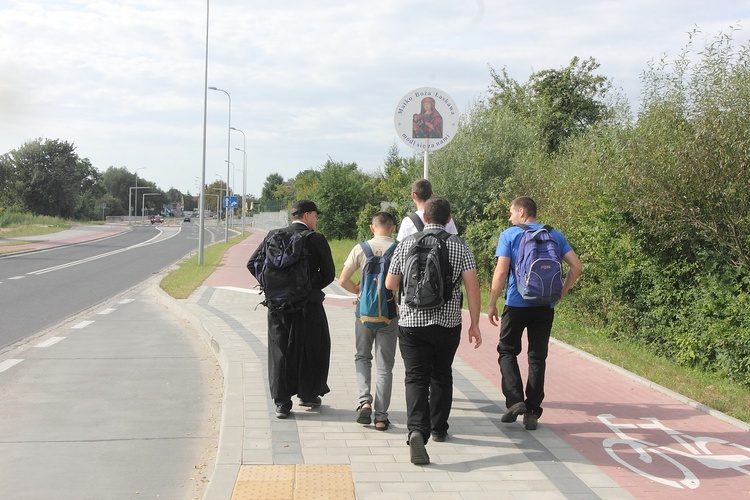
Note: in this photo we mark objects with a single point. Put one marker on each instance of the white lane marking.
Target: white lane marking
(16, 277)
(81, 325)
(106, 254)
(126, 301)
(50, 341)
(107, 310)
(9, 363)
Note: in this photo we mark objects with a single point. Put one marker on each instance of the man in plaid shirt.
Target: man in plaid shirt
(428, 339)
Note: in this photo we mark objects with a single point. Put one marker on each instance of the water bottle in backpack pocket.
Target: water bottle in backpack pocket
(538, 269)
(376, 306)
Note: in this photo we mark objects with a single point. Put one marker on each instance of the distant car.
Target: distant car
(186, 219)
(157, 219)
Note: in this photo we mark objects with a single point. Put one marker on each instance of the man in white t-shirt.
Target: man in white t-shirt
(421, 191)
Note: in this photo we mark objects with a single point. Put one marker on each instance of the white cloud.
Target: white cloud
(123, 79)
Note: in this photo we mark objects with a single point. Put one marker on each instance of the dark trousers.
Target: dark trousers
(537, 321)
(299, 353)
(428, 354)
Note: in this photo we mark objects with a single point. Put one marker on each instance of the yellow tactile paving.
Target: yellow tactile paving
(294, 482)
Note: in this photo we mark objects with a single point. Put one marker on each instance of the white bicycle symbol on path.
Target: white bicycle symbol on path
(694, 448)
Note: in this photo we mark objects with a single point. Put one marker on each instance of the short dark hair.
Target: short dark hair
(383, 219)
(528, 205)
(423, 189)
(437, 211)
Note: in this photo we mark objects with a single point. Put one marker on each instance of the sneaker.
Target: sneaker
(417, 452)
(512, 413)
(439, 437)
(313, 403)
(283, 410)
(365, 413)
(530, 421)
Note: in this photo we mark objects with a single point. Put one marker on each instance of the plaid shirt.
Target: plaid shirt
(449, 315)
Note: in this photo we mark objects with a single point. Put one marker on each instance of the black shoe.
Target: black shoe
(512, 413)
(313, 403)
(439, 437)
(417, 452)
(530, 421)
(283, 410)
(365, 413)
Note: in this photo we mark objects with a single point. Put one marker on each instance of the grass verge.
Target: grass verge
(188, 276)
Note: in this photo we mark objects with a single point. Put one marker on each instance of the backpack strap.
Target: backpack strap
(366, 249)
(417, 220)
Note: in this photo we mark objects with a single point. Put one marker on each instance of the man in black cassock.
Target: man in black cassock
(299, 342)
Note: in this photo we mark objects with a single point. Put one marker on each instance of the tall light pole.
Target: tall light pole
(136, 195)
(234, 190)
(218, 205)
(244, 177)
(229, 149)
(202, 199)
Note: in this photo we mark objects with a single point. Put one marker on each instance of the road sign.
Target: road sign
(231, 202)
(426, 119)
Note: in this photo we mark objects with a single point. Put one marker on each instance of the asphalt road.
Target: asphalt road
(40, 289)
(103, 393)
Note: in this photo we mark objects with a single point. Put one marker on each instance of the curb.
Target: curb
(232, 424)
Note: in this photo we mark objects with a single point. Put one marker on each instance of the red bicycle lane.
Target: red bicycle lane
(650, 441)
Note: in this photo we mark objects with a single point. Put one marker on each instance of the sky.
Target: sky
(123, 80)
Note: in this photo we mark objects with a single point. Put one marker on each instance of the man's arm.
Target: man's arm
(345, 280)
(471, 283)
(393, 281)
(326, 272)
(574, 271)
(499, 278)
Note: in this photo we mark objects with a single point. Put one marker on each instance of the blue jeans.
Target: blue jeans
(384, 340)
(537, 321)
(428, 354)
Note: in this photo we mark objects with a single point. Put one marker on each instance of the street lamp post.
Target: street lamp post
(136, 195)
(229, 149)
(202, 199)
(130, 197)
(244, 177)
(234, 190)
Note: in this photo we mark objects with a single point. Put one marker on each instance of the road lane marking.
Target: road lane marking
(16, 277)
(126, 301)
(9, 363)
(107, 310)
(156, 239)
(81, 325)
(50, 341)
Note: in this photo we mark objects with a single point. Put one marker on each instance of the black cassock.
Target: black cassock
(299, 352)
(299, 343)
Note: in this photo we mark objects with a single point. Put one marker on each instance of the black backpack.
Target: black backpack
(428, 274)
(282, 269)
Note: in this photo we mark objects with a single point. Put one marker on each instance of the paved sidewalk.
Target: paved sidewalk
(72, 236)
(597, 420)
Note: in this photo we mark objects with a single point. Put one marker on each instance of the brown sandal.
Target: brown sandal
(382, 425)
(365, 413)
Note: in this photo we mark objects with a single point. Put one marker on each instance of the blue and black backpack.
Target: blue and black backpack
(376, 306)
(538, 269)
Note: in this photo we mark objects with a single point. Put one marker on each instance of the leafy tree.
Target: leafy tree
(270, 187)
(340, 193)
(561, 103)
(48, 178)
